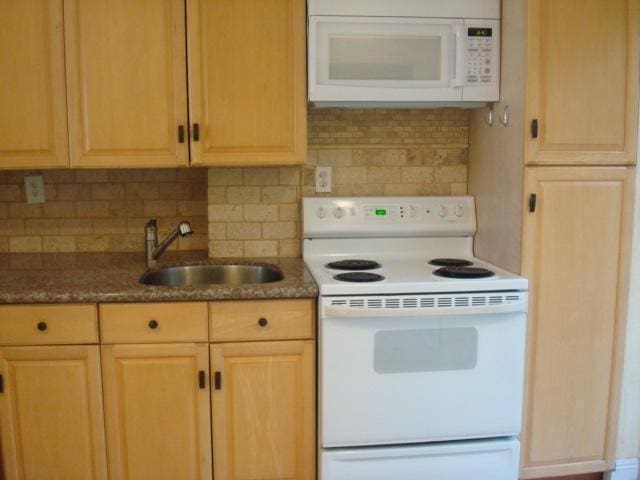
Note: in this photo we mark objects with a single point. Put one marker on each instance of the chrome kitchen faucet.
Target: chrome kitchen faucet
(153, 249)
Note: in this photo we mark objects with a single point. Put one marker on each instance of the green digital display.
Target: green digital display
(480, 32)
(381, 212)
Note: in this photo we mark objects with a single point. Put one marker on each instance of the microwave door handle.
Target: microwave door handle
(458, 56)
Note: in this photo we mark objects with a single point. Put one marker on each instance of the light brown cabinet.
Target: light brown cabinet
(157, 411)
(582, 81)
(263, 410)
(33, 111)
(51, 408)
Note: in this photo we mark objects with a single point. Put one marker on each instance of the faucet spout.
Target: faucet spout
(153, 249)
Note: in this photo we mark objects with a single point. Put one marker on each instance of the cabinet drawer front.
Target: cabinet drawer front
(153, 322)
(261, 319)
(48, 324)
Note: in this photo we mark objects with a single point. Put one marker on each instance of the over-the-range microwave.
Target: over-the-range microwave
(405, 53)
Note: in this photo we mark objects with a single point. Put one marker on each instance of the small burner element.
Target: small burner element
(354, 264)
(359, 277)
(464, 272)
(450, 262)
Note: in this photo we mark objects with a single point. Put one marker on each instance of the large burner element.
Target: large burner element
(359, 277)
(354, 264)
(450, 262)
(463, 272)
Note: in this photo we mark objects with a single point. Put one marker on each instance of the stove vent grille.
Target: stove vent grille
(430, 301)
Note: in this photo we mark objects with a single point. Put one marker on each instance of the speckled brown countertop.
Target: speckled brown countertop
(113, 277)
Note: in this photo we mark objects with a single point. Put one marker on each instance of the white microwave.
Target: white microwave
(404, 52)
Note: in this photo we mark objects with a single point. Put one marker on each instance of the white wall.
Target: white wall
(629, 426)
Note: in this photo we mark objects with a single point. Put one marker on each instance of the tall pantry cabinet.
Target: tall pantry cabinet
(555, 199)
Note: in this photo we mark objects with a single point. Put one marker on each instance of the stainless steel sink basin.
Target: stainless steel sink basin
(212, 275)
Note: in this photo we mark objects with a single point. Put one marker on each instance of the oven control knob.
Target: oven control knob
(338, 212)
(442, 211)
(459, 210)
(321, 212)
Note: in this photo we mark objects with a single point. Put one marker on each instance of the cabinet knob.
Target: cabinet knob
(153, 324)
(263, 322)
(42, 326)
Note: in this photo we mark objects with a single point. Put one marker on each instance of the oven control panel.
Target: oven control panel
(388, 215)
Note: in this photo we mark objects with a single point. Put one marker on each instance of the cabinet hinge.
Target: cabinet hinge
(534, 128)
(533, 199)
(180, 133)
(217, 380)
(202, 379)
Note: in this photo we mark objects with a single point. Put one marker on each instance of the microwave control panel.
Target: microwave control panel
(481, 45)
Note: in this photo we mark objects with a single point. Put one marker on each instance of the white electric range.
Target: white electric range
(421, 345)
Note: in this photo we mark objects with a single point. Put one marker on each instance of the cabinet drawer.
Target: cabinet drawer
(48, 324)
(153, 322)
(261, 319)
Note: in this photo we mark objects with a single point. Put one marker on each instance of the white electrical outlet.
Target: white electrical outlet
(34, 187)
(323, 179)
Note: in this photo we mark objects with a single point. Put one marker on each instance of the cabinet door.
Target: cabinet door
(582, 83)
(33, 110)
(247, 84)
(157, 411)
(575, 254)
(51, 408)
(264, 410)
(126, 75)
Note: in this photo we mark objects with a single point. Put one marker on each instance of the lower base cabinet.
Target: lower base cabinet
(263, 406)
(157, 411)
(51, 413)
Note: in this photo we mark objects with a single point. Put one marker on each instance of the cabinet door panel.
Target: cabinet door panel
(127, 82)
(33, 110)
(247, 87)
(52, 418)
(157, 416)
(576, 246)
(263, 413)
(583, 81)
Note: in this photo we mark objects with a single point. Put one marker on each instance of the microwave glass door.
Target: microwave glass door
(383, 53)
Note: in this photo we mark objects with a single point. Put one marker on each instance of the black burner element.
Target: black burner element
(359, 277)
(354, 264)
(463, 272)
(450, 262)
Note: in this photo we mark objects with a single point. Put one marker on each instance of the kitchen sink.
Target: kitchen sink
(212, 275)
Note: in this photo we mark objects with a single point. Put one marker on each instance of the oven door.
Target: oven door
(412, 375)
(364, 59)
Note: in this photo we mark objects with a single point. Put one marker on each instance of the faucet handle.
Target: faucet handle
(151, 230)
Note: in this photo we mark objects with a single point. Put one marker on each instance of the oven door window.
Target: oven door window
(432, 350)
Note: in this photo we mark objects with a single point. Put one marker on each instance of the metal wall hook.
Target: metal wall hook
(504, 118)
(489, 117)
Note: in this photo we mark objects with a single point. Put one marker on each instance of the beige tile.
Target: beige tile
(280, 194)
(143, 191)
(25, 244)
(334, 158)
(92, 209)
(225, 176)
(73, 191)
(434, 189)
(59, 209)
(92, 243)
(217, 195)
(136, 225)
(75, 226)
(370, 157)
(192, 208)
(11, 228)
(127, 243)
(217, 231)
(261, 213)
(312, 157)
(199, 191)
(260, 248)
(451, 174)
(417, 174)
(242, 195)
(159, 175)
(349, 175)
(261, 176)
(289, 212)
(400, 189)
(58, 244)
(126, 208)
(50, 192)
(224, 248)
(41, 226)
(25, 210)
(225, 213)
(174, 191)
(160, 208)
(109, 226)
(107, 191)
(289, 248)
(458, 189)
(91, 176)
(4, 210)
(244, 231)
(126, 175)
(279, 230)
(290, 176)
(58, 176)
(384, 175)
(192, 175)
(10, 193)
(4, 245)
(193, 242)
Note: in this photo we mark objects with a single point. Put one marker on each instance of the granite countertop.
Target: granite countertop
(113, 277)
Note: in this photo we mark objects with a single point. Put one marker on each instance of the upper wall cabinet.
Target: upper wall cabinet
(582, 81)
(247, 84)
(126, 79)
(33, 113)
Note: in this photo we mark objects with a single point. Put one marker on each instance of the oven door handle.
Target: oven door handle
(350, 312)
